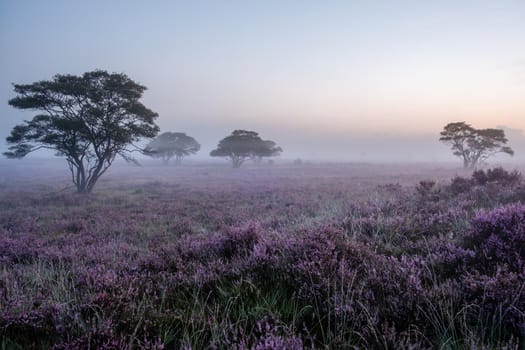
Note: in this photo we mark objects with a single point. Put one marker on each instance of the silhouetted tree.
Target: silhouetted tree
(266, 148)
(472, 145)
(88, 119)
(242, 145)
(172, 144)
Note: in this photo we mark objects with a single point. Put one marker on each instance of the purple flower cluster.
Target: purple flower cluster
(498, 237)
(259, 265)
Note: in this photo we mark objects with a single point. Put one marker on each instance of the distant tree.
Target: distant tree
(472, 145)
(172, 144)
(88, 119)
(266, 148)
(242, 145)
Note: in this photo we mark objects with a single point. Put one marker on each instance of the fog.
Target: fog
(373, 147)
(329, 147)
(335, 81)
(352, 148)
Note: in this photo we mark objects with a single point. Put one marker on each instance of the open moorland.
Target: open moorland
(310, 256)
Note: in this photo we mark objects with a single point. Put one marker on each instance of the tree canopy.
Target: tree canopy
(88, 119)
(242, 145)
(172, 144)
(474, 146)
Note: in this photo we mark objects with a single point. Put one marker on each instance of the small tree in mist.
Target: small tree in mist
(266, 148)
(172, 144)
(474, 145)
(242, 145)
(88, 119)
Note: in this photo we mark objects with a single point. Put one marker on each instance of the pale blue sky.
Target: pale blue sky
(297, 71)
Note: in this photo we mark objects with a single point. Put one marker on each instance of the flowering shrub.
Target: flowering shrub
(238, 262)
(500, 299)
(460, 185)
(497, 175)
(498, 237)
(266, 336)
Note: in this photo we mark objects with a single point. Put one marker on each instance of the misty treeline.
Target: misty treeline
(93, 118)
(239, 146)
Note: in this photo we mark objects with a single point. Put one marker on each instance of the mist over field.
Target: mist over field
(259, 175)
(281, 256)
(373, 148)
(345, 81)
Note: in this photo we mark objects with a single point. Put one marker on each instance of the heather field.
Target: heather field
(310, 256)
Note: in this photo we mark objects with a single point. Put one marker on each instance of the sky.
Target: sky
(351, 80)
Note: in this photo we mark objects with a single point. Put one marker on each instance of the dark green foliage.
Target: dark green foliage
(474, 145)
(88, 119)
(494, 179)
(497, 175)
(172, 144)
(242, 145)
(460, 185)
(426, 188)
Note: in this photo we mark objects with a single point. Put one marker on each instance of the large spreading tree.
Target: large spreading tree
(242, 145)
(474, 146)
(172, 144)
(88, 119)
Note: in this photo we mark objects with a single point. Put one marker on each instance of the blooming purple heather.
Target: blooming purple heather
(265, 258)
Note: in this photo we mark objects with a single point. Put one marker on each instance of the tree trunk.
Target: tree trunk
(83, 187)
(78, 174)
(83, 190)
(236, 162)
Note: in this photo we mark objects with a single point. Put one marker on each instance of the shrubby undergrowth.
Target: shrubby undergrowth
(435, 266)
